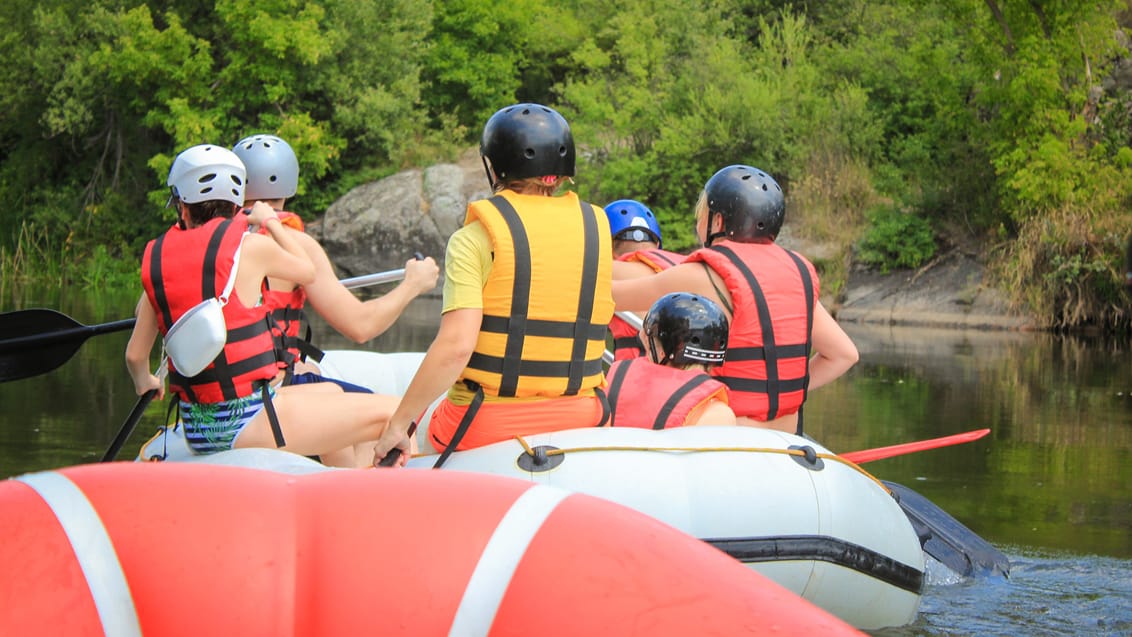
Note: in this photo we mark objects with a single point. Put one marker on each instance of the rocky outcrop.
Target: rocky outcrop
(378, 226)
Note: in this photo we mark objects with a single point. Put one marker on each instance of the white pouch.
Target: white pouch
(198, 337)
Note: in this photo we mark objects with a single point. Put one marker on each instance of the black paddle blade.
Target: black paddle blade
(39, 340)
(946, 539)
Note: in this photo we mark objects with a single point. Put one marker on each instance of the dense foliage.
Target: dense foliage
(1005, 123)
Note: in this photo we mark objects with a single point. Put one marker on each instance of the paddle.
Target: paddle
(39, 340)
(879, 453)
(941, 535)
(133, 418)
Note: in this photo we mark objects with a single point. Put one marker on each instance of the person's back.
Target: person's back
(685, 336)
(526, 299)
(770, 293)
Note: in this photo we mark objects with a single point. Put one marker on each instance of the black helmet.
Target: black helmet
(527, 140)
(750, 202)
(688, 328)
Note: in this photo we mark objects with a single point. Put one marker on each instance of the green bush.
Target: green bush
(895, 239)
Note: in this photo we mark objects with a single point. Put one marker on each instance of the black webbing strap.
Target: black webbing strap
(520, 296)
(272, 417)
(615, 381)
(462, 428)
(808, 287)
(586, 292)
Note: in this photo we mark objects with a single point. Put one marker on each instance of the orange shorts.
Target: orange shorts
(497, 421)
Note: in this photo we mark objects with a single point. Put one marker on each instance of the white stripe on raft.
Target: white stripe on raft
(501, 557)
(93, 550)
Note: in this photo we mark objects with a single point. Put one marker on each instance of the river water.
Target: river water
(1051, 486)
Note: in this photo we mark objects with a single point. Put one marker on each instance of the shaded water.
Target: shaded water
(1051, 485)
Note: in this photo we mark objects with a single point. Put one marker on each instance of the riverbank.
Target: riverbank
(951, 291)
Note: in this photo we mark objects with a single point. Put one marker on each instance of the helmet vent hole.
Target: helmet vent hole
(273, 178)
(204, 179)
(765, 188)
(529, 153)
(562, 151)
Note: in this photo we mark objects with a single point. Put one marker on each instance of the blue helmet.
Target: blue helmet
(631, 220)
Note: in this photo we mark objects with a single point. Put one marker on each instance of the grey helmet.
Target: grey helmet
(527, 140)
(207, 172)
(749, 201)
(273, 170)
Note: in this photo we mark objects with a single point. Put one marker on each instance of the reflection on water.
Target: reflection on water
(1051, 484)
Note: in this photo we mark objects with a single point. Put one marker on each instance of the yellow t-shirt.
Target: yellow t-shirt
(467, 264)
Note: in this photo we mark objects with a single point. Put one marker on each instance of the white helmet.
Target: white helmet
(273, 171)
(206, 173)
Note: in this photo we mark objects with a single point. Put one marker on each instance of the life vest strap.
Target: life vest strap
(543, 369)
(674, 400)
(540, 327)
(735, 354)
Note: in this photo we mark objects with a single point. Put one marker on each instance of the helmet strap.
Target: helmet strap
(491, 180)
(712, 236)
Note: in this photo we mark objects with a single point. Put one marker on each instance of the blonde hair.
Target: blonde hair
(702, 207)
(545, 186)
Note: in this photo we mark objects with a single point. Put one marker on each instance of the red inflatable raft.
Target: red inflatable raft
(186, 549)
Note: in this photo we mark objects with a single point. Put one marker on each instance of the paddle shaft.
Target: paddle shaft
(880, 453)
(55, 337)
(78, 333)
(128, 426)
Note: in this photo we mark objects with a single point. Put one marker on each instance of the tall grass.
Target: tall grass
(36, 259)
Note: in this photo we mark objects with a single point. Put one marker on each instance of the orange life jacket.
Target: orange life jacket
(180, 269)
(644, 394)
(768, 348)
(287, 307)
(548, 299)
(626, 339)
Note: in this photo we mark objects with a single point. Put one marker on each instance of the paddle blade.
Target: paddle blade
(879, 453)
(39, 340)
(947, 539)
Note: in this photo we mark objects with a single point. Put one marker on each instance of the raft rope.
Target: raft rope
(806, 453)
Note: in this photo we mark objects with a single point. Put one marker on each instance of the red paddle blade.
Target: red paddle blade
(880, 453)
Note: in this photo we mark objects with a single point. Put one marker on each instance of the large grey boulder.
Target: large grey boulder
(379, 225)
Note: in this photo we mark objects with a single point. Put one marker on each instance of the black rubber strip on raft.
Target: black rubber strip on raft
(823, 549)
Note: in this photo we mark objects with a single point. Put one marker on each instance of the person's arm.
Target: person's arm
(834, 351)
(357, 320)
(638, 294)
(139, 348)
(290, 261)
(443, 363)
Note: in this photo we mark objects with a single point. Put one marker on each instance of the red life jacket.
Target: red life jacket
(626, 340)
(659, 397)
(287, 307)
(767, 367)
(180, 269)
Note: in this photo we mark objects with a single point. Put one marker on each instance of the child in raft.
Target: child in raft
(684, 336)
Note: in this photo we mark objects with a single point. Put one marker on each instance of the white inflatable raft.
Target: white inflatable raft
(782, 504)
